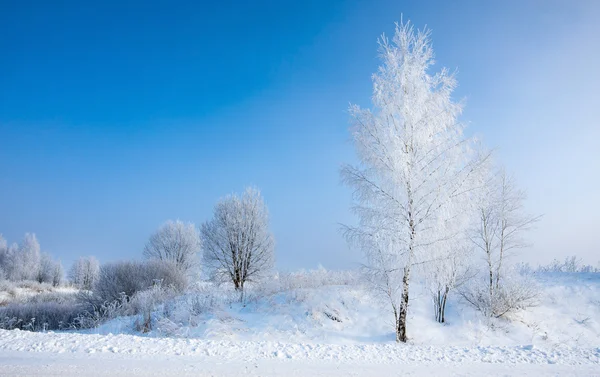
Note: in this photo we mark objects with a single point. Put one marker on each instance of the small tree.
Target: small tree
(498, 232)
(237, 241)
(177, 242)
(84, 273)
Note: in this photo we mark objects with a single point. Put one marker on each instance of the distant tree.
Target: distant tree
(84, 273)
(414, 166)
(46, 269)
(25, 259)
(237, 241)
(4, 258)
(176, 242)
(498, 232)
(57, 274)
(10, 258)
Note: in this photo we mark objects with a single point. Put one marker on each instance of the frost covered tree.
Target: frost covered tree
(499, 231)
(4, 258)
(26, 262)
(46, 269)
(84, 273)
(177, 242)
(57, 274)
(24, 259)
(9, 259)
(415, 164)
(238, 244)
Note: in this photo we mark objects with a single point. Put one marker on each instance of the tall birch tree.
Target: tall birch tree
(415, 166)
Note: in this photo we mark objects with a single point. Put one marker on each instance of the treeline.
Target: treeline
(25, 261)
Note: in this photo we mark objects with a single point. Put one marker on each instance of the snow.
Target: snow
(20, 364)
(73, 354)
(10, 292)
(16, 340)
(329, 330)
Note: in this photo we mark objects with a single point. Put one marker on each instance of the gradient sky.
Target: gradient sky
(116, 117)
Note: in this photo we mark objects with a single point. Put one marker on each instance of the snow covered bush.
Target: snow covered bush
(96, 313)
(40, 316)
(514, 292)
(571, 264)
(130, 288)
(316, 278)
(121, 280)
(145, 302)
(48, 310)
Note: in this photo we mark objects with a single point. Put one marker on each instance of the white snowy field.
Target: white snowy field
(26, 353)
(326, 330)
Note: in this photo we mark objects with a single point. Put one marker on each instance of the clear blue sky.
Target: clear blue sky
(116, 117)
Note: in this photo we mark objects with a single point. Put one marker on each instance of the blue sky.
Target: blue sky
(116, 117)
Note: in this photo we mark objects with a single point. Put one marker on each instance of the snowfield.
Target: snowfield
(24, 352)
(325, 330)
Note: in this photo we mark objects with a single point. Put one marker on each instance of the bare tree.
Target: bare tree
(498, 232)
(237, 241)
(177, 242)
(415, 164)
(84, 273)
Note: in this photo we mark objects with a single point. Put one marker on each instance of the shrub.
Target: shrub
(316, 278)
(41, 316)
(570, 264)
(514, 292)
(122, 280)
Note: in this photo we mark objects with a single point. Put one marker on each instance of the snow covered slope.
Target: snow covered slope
(331, 330)
(568, 314)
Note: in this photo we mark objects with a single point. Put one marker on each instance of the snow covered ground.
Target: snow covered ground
(328, 331)
(568, 314)
(25, 353)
